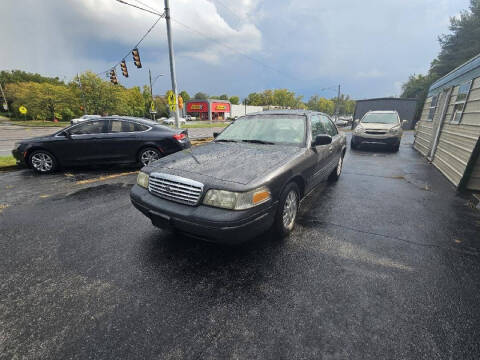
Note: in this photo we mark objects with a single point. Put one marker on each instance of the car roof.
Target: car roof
(382, 112)
(132, 118)
(286, 112)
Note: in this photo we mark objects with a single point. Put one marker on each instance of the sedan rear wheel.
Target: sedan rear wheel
(287, 210)
(335, 175)
(149, 155)
(42, 162)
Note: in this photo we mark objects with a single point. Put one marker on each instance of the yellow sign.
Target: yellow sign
(196, 107)
(152, 106)
(22, 109)
(221, 107)
(173, 107)
(171, 98)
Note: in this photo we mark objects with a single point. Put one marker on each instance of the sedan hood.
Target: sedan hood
(230, 162)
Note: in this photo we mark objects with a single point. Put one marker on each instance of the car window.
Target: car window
(329, 127)
(380, 118)
(126, 126)
(277, 129)
(318, 127)
(89, 127)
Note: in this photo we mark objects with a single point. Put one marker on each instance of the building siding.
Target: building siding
(423, 137)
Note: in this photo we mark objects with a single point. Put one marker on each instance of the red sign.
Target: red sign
(197, 107)
(221, 107)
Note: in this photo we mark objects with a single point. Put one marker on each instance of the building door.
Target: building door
(438, 120)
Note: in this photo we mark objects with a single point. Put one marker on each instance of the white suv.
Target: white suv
(378, 127)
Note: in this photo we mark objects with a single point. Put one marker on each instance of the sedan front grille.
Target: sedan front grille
(175, 188)
(376, 132)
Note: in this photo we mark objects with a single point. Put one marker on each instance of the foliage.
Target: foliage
(17, 76)
(235, 100)
(321, 104)
(200, 96)
(457, 47)
(7, 161)
(276, 97)
(184, 96)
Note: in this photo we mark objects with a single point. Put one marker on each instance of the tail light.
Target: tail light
(179, 137)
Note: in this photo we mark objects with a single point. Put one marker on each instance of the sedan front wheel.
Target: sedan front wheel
(287, 210)
(42, 161)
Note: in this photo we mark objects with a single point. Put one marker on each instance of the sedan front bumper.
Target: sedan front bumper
(209, 223)
(19, 157)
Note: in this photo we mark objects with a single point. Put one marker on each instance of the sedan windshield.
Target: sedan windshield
(380, 118)
(266, 129)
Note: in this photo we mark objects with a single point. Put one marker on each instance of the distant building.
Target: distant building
(240, 110)
(449, 129)
(405, 107)
(211, 109)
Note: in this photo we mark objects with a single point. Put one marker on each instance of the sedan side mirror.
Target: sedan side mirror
(322, 140)
(215, 134)
(67, 134)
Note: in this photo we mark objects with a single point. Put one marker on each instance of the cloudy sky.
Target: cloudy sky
(234, 46)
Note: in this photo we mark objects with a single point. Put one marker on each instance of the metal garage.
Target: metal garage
(449, 129)
(405, 108)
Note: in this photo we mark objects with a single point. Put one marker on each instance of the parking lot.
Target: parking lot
(383, 264)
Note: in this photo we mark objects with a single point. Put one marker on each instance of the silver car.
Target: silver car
(378, 127)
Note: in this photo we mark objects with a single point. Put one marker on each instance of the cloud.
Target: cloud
(366, 46)
(371, 74)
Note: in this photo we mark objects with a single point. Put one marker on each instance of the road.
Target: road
(384, 264)
(9, 134)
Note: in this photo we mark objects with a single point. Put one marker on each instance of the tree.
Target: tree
(457, 47)
(223, 97)
(235, 100)
(184, 96)
(321, 104)
(200, 96)
(18, 76)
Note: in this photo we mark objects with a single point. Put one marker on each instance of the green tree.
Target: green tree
(184, 96)
(321, 104)
(457, 47)
(200, 96)
(235, 100)
(18, 76)
(223, 97)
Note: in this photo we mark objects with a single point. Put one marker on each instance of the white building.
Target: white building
(239, 110)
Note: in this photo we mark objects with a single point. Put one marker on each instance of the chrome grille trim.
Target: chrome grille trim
(175, 188)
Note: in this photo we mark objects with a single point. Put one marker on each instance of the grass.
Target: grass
(40, 123)
(7, 161)
(206, 125)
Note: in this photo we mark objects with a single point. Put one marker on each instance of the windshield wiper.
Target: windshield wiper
(259, 142)
(225, 140)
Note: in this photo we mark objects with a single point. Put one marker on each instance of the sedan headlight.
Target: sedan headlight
(394, 130)
(237, 200)
(142, 179)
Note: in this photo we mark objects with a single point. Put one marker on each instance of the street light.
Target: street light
(152, 112)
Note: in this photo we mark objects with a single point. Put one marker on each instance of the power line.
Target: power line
(135, 46)
(236, 51)
(138, 7)
(147, 6)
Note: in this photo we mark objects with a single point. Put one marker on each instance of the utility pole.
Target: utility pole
(83, 95)
(172, 61)
(152, 115)
(337, 105)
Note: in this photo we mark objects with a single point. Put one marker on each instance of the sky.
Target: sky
(236, 47)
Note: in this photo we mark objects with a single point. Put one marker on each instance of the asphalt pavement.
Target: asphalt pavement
(384, 264)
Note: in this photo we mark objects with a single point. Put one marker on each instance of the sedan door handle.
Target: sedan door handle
(330, 148)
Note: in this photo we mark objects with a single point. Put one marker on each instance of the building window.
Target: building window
(459, 106)
(433, 107)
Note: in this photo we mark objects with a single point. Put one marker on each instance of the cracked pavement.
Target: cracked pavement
(384, 264)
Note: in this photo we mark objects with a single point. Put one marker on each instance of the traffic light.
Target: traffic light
(123, 66)
(113, 77)
(136, 58)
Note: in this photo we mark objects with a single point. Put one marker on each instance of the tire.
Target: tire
(42, 162)
(148, 155)
(353, 145)
(335, 175)
(395, 148)
(287, 210)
